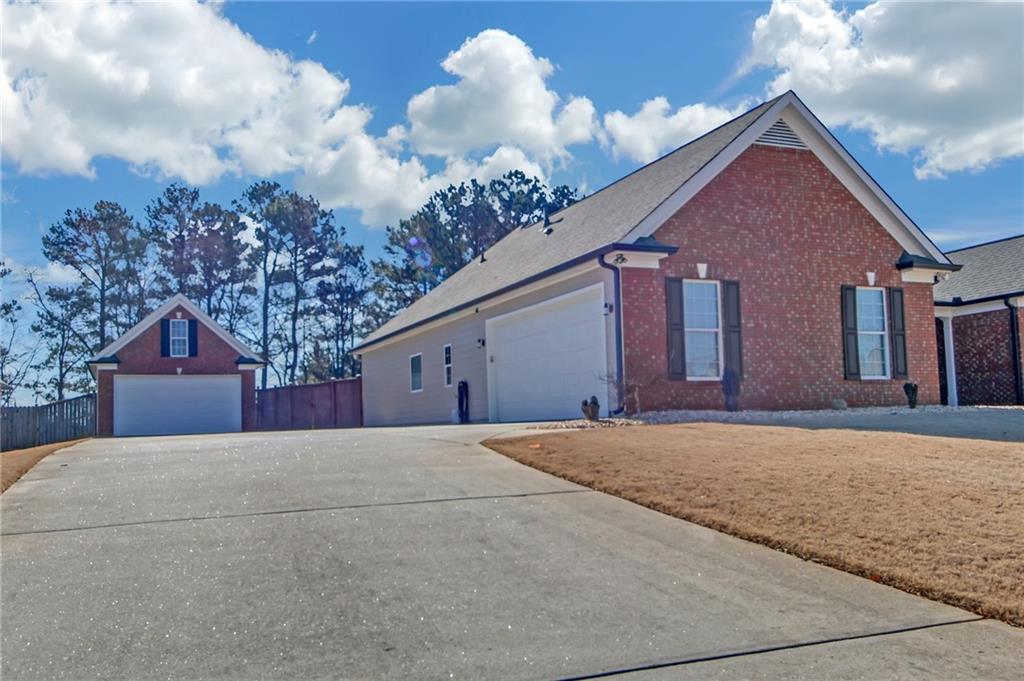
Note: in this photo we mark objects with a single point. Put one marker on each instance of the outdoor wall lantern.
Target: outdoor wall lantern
(871, 278)
(702, 270)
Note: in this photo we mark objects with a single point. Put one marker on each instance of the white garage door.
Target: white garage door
(177, 405)
(546, 359)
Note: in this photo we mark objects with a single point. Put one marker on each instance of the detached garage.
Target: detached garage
(177, 372)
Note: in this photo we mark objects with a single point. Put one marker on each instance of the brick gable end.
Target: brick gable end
(781, 224)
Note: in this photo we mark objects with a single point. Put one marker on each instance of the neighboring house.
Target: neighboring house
(761, 247)
(980, 324)
(175, 372)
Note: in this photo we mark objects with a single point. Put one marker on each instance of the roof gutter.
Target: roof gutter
(568, 264)
(973, 301)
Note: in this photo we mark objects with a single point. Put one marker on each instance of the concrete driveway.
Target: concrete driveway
(416, 553)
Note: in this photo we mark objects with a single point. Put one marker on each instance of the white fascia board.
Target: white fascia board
(490, 302)
(825, 146)
(859, 183)
(670, 206)
(157, 314)
(635, 259)
(922, 275)
(964, 310)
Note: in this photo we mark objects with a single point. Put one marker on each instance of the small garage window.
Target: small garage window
(416, 373)
(179, 338)
(447, 356)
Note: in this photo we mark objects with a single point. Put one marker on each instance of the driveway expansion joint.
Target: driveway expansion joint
(666, 664)
(293, 511)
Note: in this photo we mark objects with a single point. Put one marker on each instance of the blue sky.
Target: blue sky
(940, 124)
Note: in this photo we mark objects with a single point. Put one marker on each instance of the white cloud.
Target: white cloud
(177, 90)
(311, 39)
(944, 82)
(501, 96)
(655, 129)
(173, 88)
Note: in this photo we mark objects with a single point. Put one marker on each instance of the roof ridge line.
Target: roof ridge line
(767, 104)
(986, 243)
(669, 153)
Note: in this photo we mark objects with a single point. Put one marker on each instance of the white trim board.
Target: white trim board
(824, 145)
(949, 311)
(158, 314)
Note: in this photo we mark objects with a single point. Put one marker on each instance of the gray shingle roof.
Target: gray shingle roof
(600, 219)
(992, 269)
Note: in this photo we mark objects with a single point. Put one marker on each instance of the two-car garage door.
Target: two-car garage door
(175, 405)
(545, 359)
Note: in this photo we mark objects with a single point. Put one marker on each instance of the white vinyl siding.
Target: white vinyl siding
(386, 396)
(702, 325)
(416, 373)
(872, 333)
(446, 356)
(179, 338)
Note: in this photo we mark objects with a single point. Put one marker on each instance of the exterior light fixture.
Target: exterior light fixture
(871, 278)
(702, 270)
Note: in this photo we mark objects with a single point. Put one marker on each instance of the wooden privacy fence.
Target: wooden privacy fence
(336, 404)
(72, 419)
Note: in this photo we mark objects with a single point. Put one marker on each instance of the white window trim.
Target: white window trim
(447, 360)
(721, 344)
(884, 333)
(420, 389)
(172, 337)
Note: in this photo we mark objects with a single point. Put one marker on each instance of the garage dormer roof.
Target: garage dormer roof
(108, 355)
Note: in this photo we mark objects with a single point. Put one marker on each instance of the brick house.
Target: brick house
(980, 323)
(175, 372)
(760, 254)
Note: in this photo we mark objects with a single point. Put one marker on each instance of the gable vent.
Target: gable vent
(781, 135)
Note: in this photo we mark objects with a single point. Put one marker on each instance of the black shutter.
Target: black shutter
(193, 338)
(165, 337)
(674, 322)
(898, 333)
(732, 327)
(851, 357)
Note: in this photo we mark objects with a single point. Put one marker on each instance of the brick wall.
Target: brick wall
(142, 356)
(781, 224)
(984, 361)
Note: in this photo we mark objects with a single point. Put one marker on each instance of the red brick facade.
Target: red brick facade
(778, 222)
(142, 356)
(984, 356)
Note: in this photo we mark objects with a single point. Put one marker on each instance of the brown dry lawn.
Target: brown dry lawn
(939, 517)
(17, 462)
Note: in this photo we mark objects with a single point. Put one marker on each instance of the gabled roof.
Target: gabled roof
(633, 207)
(990, 270)
(602, 218)
(109, 354)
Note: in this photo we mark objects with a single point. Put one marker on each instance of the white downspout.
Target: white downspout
(947, 337)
